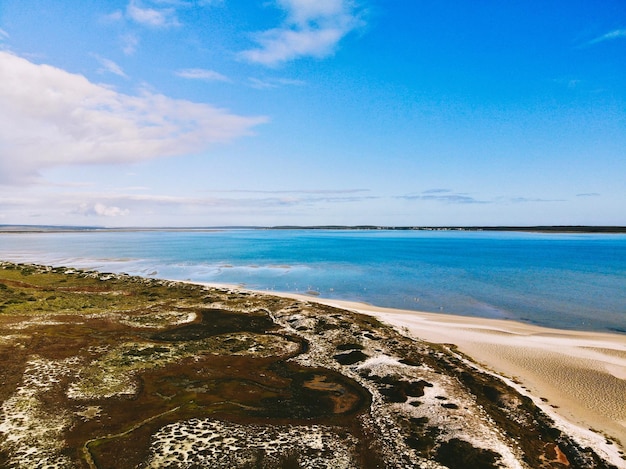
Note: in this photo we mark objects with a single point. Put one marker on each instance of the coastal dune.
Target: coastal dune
(577, 377)
(580, 376)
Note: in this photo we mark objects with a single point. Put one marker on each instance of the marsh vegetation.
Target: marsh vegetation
(112, 371)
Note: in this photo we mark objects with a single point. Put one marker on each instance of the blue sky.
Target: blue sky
(222, 112)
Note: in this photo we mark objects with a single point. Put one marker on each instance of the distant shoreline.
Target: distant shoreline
(525, 229)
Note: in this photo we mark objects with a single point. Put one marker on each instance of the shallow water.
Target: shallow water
(572, 281)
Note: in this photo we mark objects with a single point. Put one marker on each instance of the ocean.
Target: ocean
(567, 281)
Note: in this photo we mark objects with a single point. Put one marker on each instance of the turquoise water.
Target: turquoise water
(572, 281)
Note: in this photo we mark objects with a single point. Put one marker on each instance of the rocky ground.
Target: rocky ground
(112, 371)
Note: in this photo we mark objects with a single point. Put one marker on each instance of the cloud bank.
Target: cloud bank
(49, 117)
(122, 208)
(312, 28)
(447, 196)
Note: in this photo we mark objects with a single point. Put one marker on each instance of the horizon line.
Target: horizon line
(25, 228)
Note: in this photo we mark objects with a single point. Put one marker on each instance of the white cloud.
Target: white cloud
(109, 66)
(187, 3)
(3, 34)
(125, 207)
(273, 83)
(113, 17)
(142, 202)
(436, 191)
(299, 191)
(49, 117)
(153, 17)
(157, 14)
(129, 43)
(101, 210)
(261, 84)
(445, 196)
(522, 200)
(616, 34)
(313, 28)
(304, 11)
(201, 74)
(449, 197)
(145, 202)
(282, 45)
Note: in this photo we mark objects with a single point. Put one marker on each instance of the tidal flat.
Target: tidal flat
(112, 371)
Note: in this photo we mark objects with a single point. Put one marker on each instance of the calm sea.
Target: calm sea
(572, 281)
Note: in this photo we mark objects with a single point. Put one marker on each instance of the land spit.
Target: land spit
(113, 371)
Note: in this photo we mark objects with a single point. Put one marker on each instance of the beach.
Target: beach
(577, 377)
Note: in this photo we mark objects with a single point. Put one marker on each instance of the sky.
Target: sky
(199, 113)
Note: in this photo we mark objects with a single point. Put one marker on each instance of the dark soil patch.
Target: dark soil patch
(350, 358)
(449, 405)
(423, 440)
(410, 362)
(399, 390)
(344, 347)
(459, 454)
(215, 322)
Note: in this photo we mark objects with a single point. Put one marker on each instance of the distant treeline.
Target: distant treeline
(542, 229)
(557, 229)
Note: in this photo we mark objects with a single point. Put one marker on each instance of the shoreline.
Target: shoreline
(577, 377)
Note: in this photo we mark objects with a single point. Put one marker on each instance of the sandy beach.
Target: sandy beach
(577, 377)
